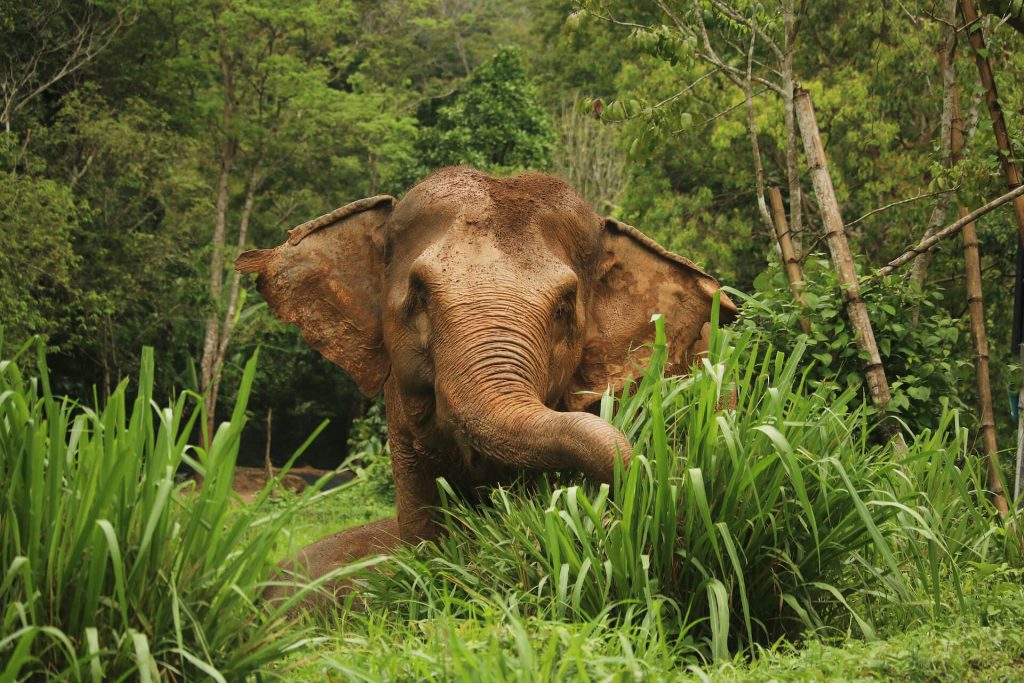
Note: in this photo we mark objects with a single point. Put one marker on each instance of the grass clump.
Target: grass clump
(111, 568)
(755, 509)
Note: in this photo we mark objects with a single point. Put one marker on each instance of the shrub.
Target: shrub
(922, 359)
(494, 121)
(111, 569)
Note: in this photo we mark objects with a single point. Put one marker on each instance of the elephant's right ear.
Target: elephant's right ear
(327, 280)
(637, 278)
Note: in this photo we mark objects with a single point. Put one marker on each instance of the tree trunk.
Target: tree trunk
(748, 93)
(976, 307)
(792, 151)
(947, 69)
(789, 258)
(211, 339)
(266, 453)
(842, 258)
(228, 325)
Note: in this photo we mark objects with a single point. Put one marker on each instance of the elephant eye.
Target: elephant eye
(416, 299)
(565, 310)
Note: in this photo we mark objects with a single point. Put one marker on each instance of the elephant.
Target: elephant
(493, 312)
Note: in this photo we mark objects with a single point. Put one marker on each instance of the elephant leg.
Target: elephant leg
(328, 554)
(415, 493)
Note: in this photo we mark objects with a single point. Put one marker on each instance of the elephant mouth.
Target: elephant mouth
(478, 468)
(472, 458)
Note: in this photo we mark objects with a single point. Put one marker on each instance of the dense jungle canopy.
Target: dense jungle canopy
(144, 143)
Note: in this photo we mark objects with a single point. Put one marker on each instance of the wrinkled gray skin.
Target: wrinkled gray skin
(483, 307)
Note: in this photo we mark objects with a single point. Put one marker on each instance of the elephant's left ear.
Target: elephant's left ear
(637, 278)
(326, 278)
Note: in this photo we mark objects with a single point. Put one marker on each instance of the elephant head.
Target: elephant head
(494, 312)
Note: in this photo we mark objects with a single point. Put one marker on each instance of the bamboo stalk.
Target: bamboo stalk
(1013, 179)
(842, 258)
(995, 110)
(789, 258)
(979, 337)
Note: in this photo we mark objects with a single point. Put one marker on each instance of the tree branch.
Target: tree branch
(901, 202)
(948, 231)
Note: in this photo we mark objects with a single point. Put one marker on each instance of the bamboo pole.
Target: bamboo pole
(995, 110)
(1013, 179)
(789, 259)
(979, 337)
(842, 258)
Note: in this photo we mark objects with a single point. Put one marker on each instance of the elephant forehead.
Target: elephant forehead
(521, 214)
(480, 253)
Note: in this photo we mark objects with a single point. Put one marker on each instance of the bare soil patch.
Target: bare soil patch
(249, 481)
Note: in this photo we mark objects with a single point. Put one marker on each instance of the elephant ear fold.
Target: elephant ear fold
(327, 280)
(637, 278)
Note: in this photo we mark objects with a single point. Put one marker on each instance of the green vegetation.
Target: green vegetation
(921, 358)
(493, 122)
(144, 143)
(116, 174)
(111, 567)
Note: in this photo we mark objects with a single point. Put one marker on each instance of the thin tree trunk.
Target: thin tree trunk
(1013, 179)
(842, 258)
(460, 47)
(976, 307)
(789, 258)
(371, 163)
(211, 338)
(228, 325)
(266, 453)
(791, 24)
(752, 128)
(947, 69)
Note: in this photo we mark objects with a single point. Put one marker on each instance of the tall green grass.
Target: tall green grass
(754, 509)
(111, 569)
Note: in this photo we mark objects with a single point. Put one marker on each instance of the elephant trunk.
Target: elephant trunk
(491, 386)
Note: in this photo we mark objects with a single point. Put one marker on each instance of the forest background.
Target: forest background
(143, 144)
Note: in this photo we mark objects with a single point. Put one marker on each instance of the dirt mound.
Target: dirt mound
(249, 481)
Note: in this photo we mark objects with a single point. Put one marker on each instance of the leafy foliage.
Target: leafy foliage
(324, 102)
(922, 360)
(109, 180)
(494, 122)
(37, 261)
(369, 453)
